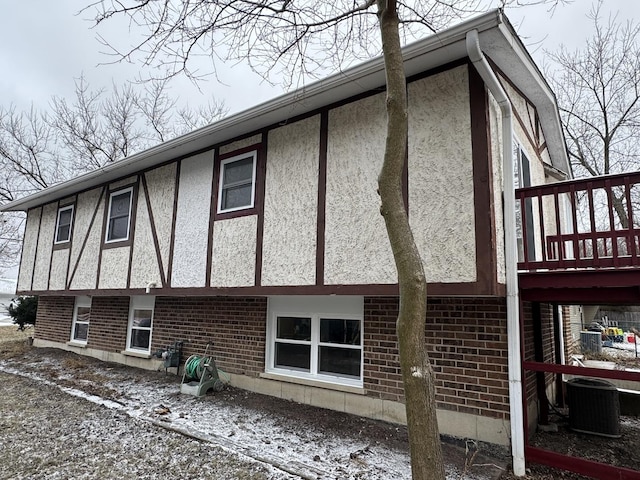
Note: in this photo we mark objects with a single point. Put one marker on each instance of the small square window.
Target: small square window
(237, 183)
(63, 224)
(118, 218)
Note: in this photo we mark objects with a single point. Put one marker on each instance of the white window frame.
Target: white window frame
(254, 156)
(68, 239)
(81, 302)
(146, 302)
(111, 195)
(316, 316)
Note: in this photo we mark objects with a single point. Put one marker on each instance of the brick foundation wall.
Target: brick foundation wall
(108, 323)
(467, 344)
(466, 341)
(236, 327)
(54, 318)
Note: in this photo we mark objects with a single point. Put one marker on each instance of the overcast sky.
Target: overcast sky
(44, 45)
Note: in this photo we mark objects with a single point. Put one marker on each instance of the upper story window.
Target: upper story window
(237, 183)
(119, 215)
(63, 224)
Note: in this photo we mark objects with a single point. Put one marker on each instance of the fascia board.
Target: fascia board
(505, 48)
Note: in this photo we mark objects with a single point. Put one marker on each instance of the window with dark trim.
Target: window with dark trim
(237, 185)
(63, 224)
(119, 215)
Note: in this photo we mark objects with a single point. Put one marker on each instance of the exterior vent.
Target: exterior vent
(591, 342)
(594, 407)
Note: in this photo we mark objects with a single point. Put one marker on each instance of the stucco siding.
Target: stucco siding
(59, 264)
(125, 182)
(495, 125)
(291, 204)
(357, 250)
(86, 272)
(161, 184)
(144, 263)
(114, 268)
(27, 260)
(192, 222)
(45, 246)
(441, 196)
(234, 252)
(237, 145)
(523, 110)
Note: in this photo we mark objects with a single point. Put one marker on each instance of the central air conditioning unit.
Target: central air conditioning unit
(594, 407)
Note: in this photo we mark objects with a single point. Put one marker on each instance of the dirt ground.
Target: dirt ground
(68, 370)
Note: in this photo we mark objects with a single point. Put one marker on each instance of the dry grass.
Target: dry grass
(14, 342)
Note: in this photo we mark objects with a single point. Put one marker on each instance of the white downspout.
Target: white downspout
(511, 258)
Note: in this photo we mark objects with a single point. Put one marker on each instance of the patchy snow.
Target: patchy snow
(260, 435)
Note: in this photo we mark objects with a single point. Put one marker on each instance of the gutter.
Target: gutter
(516, 409)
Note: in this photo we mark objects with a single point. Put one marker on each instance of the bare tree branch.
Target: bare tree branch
(598, 88)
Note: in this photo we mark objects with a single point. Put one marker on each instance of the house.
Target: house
(261, 234)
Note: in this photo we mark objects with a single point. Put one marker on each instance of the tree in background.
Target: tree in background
(303, 39)
(41, 148)
(598, 90)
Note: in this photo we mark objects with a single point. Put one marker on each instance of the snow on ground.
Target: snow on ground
(309, 452)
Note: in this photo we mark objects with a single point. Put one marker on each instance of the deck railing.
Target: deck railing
(590, 223)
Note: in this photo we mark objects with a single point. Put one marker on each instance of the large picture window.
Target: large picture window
(140, 324)
(81, 318)
(119, 215)
(325, 346)
(237, 183)
(63, 224)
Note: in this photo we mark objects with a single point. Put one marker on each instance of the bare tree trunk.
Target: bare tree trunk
(417, 374)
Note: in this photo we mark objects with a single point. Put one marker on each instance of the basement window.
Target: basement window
(81, 317)
(140, 324)
(315, 339)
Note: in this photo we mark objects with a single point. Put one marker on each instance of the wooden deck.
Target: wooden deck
(581, 241)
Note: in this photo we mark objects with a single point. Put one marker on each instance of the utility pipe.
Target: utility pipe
(511, 257)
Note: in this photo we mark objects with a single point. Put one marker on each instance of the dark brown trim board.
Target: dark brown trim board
(26, 220)
(212, 214)
(384, 290)
(322, 197)
(86, 237)
(132, 228)
(35, 253)
(173, 223)
(486, 261)
(261, 179)
(53, 239)
(152, 225)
